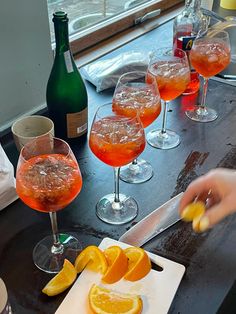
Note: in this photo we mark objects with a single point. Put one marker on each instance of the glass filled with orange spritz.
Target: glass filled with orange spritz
(133, 94)
(116, 140)
(209, 55)
(48, 178)
(171, 70)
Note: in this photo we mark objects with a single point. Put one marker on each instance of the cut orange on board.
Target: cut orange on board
(139, 263)
(62, 280)
(92, 258)
(117, 264)
(105, 301)
(193, 210)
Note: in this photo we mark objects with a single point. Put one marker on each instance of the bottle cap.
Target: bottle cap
(60, 16)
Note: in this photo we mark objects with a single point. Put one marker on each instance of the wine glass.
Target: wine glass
(116, 140)
(133, 94)
(170, 68)
(48, 178)
(210, 54)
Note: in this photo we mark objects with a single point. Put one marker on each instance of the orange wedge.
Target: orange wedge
(62, 280)
(117, 264)
(193, 210)
(139, 263)
(92, 258)
(105, 301)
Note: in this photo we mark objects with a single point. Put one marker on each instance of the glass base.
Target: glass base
(138, 172)
(160, 140)
(116, 213)
(50, 259)
(202, 114)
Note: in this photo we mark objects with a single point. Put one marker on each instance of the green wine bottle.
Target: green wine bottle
(66, 94)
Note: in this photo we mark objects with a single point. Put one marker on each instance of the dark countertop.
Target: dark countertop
(210, 258)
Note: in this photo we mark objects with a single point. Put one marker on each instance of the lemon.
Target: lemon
(92, 258)
(193, 210)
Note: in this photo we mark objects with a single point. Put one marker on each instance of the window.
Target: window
(25, 73)
(91, 21)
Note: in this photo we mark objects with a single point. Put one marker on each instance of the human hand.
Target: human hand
(217, 189)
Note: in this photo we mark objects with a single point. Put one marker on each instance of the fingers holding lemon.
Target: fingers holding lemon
(194, 212)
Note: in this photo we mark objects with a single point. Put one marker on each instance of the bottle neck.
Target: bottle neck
(193, 4)
(61, 36)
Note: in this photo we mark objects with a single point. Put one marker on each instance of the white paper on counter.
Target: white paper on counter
(7, 181)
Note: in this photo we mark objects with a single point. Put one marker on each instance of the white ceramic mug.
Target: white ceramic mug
(5, 307)
(28, 128)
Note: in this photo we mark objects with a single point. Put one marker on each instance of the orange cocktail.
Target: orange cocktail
(209, 57)
(113, 143)
(170, 68)
(134, 95)
(48, 182)
(48, 179)
(128, 100)
(116, 140)
(172, 78)
(210, 54)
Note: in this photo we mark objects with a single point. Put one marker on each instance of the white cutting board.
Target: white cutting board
(157, 289)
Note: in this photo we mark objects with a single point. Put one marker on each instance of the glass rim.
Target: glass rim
(136, 116)
(119, 82)
(213, 32)
(155, 51)
(130, 72)
(41, 138)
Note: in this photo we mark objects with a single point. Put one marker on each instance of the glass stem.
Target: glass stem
(116, 182)
(203, 100)
(57, 247)
(163, 129)
(135, 161)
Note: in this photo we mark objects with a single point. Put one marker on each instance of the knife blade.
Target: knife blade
(156, 222)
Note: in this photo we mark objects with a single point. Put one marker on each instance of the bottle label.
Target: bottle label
(77, 123)
(68, 62)
(185, 42)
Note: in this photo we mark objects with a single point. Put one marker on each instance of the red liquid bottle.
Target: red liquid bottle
(186, 26)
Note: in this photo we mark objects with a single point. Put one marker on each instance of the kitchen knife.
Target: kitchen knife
(157, 221)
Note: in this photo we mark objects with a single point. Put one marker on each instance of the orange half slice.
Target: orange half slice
(92, 258)
(139, 263)
(117, 264)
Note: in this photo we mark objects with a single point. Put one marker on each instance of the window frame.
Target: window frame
(104, 30)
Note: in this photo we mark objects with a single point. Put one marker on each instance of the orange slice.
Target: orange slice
(92, 258)
(117, 264)
(62, 280)
(139, 263)
(193, 210)
(105, 301)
